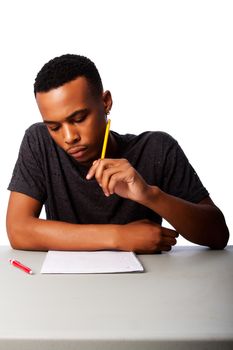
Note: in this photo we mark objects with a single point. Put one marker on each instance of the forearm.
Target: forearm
(38, 234)
(140, 236)
(27, 232)
(202, 224)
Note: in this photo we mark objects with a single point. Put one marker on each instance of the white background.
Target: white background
(168, 64)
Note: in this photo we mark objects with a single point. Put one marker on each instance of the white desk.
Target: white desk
(184, 300)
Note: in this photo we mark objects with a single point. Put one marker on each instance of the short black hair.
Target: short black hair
(65, 68)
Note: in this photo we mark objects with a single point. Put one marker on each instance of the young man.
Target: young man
(92, 203)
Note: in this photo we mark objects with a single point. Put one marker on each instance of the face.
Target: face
(76, 119)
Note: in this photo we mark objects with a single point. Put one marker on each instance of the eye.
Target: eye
(55, 128)
(80, 119)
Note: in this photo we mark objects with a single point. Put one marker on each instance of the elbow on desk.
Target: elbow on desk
(16, 235)
(220, 245)
(217, 230)
(221, 236)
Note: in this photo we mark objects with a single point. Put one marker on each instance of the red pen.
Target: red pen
(20, 266)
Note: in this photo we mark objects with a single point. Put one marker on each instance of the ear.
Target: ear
(107, 100)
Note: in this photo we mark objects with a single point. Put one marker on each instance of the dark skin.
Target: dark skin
(76, 120)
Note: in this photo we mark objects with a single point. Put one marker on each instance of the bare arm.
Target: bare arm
(201, 223)
(26, 231)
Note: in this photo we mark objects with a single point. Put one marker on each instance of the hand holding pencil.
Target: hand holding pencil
(117, 175)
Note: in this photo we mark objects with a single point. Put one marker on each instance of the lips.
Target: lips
(76, 149)
(77, 152)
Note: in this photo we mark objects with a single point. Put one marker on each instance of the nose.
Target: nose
(70, 134)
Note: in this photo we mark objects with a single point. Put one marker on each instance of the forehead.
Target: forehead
(65, 99)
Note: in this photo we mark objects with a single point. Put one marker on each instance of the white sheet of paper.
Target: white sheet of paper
(90, 262)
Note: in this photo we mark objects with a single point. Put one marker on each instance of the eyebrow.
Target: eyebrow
(72, 115)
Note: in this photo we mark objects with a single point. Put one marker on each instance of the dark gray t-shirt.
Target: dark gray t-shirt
(47, 173)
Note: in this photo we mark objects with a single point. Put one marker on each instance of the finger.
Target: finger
(97, 164)
(106, 178)
(169, 240)
(167, 232)
(92, 169)
(113, 169)
(114, 180)
(102, 166)
(125, 175)
(165, 248)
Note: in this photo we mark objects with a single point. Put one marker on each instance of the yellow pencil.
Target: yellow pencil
(105, 139)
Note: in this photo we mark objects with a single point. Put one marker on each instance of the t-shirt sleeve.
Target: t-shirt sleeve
(179, 178)
(28, 177)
